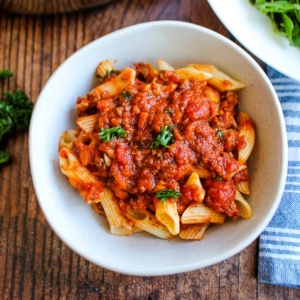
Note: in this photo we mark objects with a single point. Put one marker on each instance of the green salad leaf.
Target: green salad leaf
(285, 17)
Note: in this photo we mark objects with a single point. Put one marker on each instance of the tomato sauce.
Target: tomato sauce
(220, 196)
(204, 132)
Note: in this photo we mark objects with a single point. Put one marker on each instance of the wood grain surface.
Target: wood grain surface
(34, 263)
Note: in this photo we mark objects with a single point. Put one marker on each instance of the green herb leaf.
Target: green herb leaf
(108, 73)
(17, 107)
(164, 138)
(5, 74)
(126, 95)
(219, 133)
(4, 157)
(15, 114)
(285, 17)
(169, 111)
(108, 134)
(164, 195)
(219, 178)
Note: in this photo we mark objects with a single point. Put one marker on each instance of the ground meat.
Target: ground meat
(220, 196)
(202, 132)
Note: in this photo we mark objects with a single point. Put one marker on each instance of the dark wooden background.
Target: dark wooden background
(34, 263)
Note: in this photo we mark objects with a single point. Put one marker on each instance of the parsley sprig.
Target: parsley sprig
(164, 138)
(15, 114)
(108, 134)
(126, 94)
(169, 193)
(5, 74)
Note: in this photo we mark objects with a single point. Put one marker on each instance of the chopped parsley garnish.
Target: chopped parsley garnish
(5, 74)
(164, 195)
(219, 133)
(169, 111)
(15, 114)
(219, 178)
(108, 73)
(164, 138)
(108, 134)
(126, 95)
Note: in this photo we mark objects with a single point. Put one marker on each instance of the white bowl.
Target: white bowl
(141, 254)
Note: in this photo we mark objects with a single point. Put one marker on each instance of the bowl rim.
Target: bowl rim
(183, 267)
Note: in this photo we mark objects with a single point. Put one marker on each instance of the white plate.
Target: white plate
(254, 30)
(141, 254)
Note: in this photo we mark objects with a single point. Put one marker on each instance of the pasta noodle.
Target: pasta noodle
(166, 212)
(218, 79)
(161, 150)
(149, 223)
(193, 232)
(200, 213)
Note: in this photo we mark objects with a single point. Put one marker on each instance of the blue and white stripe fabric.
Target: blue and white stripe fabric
(279, 244)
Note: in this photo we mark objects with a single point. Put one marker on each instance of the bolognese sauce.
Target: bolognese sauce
(167, 127)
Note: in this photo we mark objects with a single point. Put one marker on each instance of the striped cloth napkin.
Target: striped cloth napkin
(279, 244)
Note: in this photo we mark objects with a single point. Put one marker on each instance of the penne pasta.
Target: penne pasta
(202, 172)
(243, 187)
(219, 80)
(200, 213)
(67, 138)
(213, 94)
(243, 205)
(97, 207)
(166, 212)
(246, 134)
(80, 177)
(163, 65)
(241, 167)
(242, 181)
(198, 190)
(193, 232)
(119, 225)
(149, 223)
(87, 123)
(104, 68)
(192, 73)
(115, 86)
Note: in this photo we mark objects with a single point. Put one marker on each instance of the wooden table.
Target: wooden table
(34, 263)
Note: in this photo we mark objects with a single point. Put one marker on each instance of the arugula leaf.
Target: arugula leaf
(169, 193)
(108, 134)
(164, 138)
(5, 74)
(285, 17)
